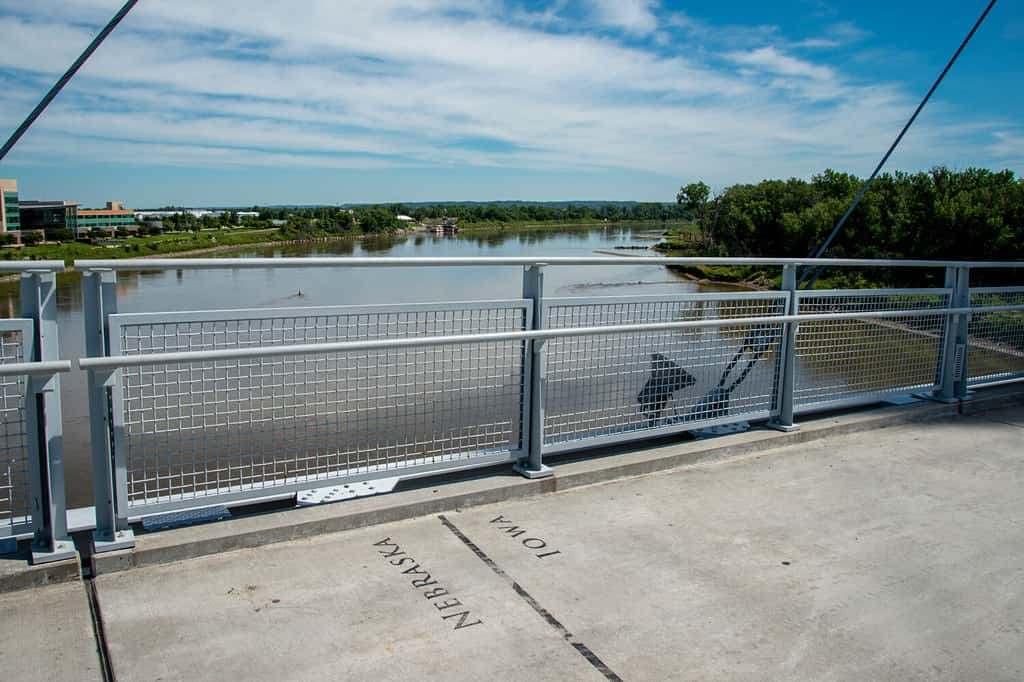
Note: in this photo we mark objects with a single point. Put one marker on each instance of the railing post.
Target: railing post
(784, 387)
(947, 363)
(962, 300)
(953, 368)
(99, 299)
(533, 465)
(44, 424)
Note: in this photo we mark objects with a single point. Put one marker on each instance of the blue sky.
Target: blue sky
(237, 102)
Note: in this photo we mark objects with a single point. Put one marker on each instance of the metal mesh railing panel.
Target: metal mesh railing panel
(610, 311)
(996, 340)
(850, 360)
(197, 429)
(250, 329)
(15, 488)
(614, 387)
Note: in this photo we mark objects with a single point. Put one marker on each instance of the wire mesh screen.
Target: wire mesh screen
(850, 360)
(15, 488)
(608, 388)
(197, 429)
(996, 340)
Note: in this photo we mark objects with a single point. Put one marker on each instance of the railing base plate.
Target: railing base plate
(543, 472)
(345, 491)
(936, 398)
(785, 428)
(720, 430)
(62, 549)
(123, 539)
(967, 397)
(182, 519)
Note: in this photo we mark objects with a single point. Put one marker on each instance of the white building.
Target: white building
(197, 212)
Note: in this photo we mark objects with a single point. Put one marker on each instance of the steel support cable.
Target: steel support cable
(817, 253)
(68, 75)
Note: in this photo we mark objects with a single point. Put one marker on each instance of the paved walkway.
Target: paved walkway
(895, 554)
(47, 634)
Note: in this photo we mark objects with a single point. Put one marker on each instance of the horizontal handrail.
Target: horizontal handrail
(116, 362)
(30, 265)
(35, 368)
(839, 293)
(388, 262)
(997, 290)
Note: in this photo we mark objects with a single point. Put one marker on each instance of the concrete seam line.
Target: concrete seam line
(548, 617)
(99, 631)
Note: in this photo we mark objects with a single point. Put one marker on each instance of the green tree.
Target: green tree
(973, 214)
(377, 220)
(694, 198)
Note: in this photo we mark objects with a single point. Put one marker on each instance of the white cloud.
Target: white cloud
(1008, 147)
(847, 32)
(816, 43)
(397, 83)
(632, 16)
(772, 60)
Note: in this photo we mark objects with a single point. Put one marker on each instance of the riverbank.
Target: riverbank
(527, 226)
(140, 247)
(753, 277)
(217, 242)
(277, 242)
(178, 245)
(688, 244)
(691, 273)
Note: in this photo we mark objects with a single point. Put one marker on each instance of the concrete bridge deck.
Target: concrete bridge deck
(897, 554)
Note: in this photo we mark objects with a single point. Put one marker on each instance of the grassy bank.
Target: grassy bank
(213, 241)
(136, 247)
(687, 242)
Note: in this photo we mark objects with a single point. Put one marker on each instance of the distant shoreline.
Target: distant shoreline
(468, 230)
(687, 275)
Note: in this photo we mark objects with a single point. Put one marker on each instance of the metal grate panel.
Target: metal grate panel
(15, 482)
(603, 389)
(194, 430)
(996, 340)
(846, 361)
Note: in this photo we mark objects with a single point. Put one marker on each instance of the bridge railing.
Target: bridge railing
(228, 428)
(205, 408)
(848, 361)
(32, 493)
(599, 389)
(996, 338)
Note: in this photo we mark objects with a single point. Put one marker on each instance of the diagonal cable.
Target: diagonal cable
(820, 251)
(68, 75)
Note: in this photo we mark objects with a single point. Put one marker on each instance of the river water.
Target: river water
(271, 288)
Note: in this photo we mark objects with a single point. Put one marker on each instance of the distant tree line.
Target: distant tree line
(491, 214)
(973, 214)
(541, 213)
(187, 222)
